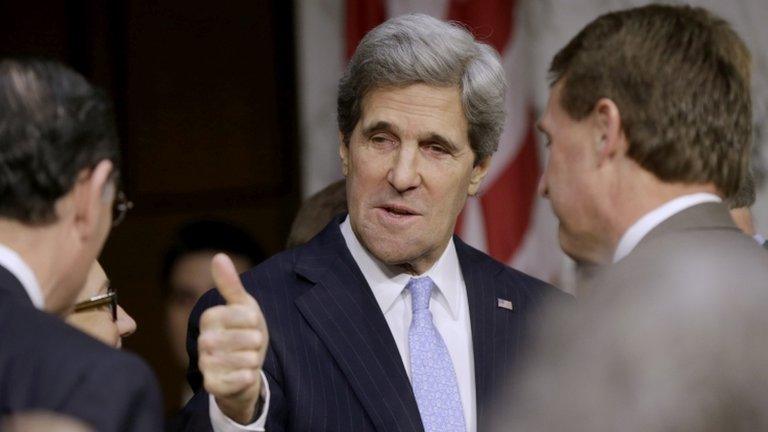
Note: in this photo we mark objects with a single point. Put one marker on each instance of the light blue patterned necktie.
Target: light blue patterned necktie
(432, 374)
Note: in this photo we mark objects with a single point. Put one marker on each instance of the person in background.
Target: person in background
(59, 176)
(740, 205)
(186, 273)
(97, 312)
(316, 211)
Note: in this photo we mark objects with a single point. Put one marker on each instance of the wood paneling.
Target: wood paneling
(205, 98)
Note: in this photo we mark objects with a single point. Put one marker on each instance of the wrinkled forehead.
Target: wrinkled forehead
(420, 107)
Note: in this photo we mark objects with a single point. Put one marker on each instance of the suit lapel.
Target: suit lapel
(343, 312)
(495, 330)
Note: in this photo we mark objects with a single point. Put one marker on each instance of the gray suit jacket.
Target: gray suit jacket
(700, 245)
(679, 319)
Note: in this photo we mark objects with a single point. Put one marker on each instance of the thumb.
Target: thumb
(228, 282)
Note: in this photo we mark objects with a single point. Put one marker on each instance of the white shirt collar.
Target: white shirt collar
(18, 268)
(388, 282)
(652, 219)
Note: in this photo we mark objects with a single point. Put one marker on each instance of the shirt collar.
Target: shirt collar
(19, 269)
(388, 282)
(652, 219)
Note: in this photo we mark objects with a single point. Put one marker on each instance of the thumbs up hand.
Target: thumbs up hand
(232, 344)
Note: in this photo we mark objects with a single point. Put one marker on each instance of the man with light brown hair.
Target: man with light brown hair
(649, 120)
(649, 126)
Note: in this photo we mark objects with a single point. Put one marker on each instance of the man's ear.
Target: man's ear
(609, 136)
(344, 154)
(92, 193)
(479, 172)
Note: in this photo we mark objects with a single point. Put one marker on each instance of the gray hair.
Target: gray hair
(417, 48)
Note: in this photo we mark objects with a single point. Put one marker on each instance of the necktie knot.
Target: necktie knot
(421, 291)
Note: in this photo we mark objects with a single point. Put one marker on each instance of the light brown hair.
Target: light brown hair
(680, 78)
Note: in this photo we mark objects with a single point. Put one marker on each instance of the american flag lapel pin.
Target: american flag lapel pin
(504, 304)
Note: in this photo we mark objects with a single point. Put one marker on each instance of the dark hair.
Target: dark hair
(53, 125)
(680, 78)
(209, 235)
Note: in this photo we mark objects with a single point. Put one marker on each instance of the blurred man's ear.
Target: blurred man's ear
(93, 195)
(479, 171)
(609, 140)
(344, 154)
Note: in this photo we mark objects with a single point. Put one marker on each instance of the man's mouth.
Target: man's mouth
(399, 211)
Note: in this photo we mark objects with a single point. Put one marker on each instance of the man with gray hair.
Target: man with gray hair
(385, 321)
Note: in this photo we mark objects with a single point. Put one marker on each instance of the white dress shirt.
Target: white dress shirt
(449, 307)
(652, 219)
(450, 312)
(14, 264)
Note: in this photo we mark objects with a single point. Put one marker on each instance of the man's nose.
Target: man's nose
(404, 174)
(126, 325)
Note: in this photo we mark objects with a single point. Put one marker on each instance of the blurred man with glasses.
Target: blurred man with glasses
(58, 184)
(97, 312)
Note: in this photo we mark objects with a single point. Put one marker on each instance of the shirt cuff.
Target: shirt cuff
(221, 423)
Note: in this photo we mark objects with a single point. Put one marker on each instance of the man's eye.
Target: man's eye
(382, 140)
(436, 148)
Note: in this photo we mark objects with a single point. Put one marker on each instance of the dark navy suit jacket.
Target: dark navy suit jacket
(333, 364)
(46, 365)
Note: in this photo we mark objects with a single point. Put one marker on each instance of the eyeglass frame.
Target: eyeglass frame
(110, 298)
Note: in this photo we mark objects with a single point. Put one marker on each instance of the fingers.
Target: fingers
(230, 383)
(231, 316)
(231, 340)
(228, 282)
(232, 361)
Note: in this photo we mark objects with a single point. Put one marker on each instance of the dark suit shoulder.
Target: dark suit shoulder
(47, 364)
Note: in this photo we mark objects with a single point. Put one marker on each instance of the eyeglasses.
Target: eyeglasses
(120, 208)
(110, 298)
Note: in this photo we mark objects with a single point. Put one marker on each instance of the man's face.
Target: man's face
(567, 180)
(85, 215)
(98, 321)
(409, 169)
